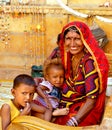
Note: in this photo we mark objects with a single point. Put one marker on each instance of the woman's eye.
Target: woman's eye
(67, 38)
(78, 39)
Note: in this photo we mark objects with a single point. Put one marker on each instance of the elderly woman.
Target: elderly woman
(86, 71)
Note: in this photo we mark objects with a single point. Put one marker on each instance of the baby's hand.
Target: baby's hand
(49, 106)
(26, 110)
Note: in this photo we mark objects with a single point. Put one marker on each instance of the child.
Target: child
(23, 91)
(49, 90)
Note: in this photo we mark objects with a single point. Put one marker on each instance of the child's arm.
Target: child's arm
(40, 91)
(5, 116)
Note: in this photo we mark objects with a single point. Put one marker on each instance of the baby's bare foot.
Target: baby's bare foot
(60, 112)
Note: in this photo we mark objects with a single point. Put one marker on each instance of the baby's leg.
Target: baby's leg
(41, 112)
(60, 112)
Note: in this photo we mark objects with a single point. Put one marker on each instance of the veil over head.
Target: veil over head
(93, 48)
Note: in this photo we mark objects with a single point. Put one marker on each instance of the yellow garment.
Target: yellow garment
(14, 111)
(34, 123)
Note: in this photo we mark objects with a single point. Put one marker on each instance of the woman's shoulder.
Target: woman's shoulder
(87, 57)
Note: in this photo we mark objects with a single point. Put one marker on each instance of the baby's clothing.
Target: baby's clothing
(53, 94)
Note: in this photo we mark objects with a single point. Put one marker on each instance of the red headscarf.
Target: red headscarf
(91, 45)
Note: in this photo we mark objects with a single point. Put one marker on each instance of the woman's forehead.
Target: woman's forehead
(72, 33)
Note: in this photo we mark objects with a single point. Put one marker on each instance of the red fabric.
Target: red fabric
(96, 116)
(101, 62)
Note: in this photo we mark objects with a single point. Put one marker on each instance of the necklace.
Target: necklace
(75, 64)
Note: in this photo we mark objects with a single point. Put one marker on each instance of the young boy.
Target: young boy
(23, 91)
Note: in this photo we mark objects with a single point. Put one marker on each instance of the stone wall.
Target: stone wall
(29, 32)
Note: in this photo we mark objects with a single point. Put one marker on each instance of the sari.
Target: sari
(55, 53)
(90, 81)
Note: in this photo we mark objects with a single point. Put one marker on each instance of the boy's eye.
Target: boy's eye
(24, 93)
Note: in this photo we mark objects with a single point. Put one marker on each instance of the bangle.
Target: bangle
(75, 121)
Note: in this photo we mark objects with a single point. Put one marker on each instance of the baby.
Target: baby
(49, 90)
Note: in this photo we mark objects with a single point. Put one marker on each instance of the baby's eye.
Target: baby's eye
(54, 76)
(31, 94)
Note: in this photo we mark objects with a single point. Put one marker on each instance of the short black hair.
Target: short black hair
(25, 79)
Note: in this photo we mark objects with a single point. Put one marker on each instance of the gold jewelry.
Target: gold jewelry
(75, 63)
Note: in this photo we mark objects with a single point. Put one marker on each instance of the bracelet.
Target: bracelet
(75, 121)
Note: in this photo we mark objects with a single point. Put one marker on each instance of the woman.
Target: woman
(86, 74)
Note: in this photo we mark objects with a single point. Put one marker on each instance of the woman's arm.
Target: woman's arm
(92, 91)
(82, 113)
(85, 109)
(5, 116)
(91, 88)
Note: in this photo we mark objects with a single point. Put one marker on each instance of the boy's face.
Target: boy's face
(23, 94)
(55, 76)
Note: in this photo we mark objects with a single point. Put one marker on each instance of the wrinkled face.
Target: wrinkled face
(55, 76)
(23, 94)
(73, 43)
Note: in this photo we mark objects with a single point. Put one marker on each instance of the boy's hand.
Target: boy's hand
(26, 110)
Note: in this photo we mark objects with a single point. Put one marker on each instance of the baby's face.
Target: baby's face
(56, 77)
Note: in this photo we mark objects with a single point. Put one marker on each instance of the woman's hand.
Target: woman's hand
(82, 113)
(85, 109)
(26, 110)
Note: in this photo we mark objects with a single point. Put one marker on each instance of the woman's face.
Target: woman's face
(73, 43)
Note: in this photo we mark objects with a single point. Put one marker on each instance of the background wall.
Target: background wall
(28, 32)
